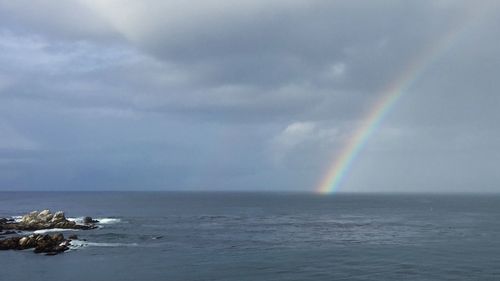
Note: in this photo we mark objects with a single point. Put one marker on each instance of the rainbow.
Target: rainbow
(388, 97)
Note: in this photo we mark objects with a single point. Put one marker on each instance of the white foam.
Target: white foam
(75, 244)
(108, 220)
(43, 231)
(100, 220)
(77, 220)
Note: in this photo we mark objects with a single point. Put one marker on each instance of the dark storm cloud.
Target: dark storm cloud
(241, 95)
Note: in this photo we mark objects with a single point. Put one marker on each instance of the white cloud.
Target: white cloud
(298, 137)
(336, 70)
(295, 134)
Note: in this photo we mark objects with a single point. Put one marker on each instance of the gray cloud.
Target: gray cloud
(253, 95)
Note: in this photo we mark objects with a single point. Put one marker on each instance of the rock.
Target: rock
(51, 244)
(59, 217)
(65, 224)
(45, 220)
(27, 242)
(44, 213)
(23, 242)
(44, 216)
(58, 237)
(31, 242)
(42, 243)
(10, 243)
(29, 218)
(36, 217)
(73, 237)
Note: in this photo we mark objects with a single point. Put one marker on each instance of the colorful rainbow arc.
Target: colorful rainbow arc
(389, 96)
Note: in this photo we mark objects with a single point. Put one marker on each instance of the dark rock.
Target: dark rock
(49, 244)
(10, 243)
(65, 224)
(73, 237)
(58, 237)
(89, 220)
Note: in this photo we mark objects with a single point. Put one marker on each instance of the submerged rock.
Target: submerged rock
(89, 220)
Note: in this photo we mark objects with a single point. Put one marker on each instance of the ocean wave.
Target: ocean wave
(100, 220)
(78, 219)
(44, 231)
(108, 220)
(77, 244)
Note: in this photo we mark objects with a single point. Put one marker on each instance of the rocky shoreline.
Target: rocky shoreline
(48, 244)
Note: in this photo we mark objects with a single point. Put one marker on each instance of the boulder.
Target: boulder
(9, 243)
(44, 216)
(57, 237)
(59, 217)
(23, 241)
(30, 218)
(45, 220)
(49, 244)
(89, 220)
(65, 224)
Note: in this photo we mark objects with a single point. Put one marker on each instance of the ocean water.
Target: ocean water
(265, 236)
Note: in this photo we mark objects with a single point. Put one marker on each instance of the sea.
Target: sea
(264, 236)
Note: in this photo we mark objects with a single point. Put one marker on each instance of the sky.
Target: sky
(246, 95)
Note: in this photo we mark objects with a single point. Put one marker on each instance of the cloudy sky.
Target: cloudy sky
(246, 95)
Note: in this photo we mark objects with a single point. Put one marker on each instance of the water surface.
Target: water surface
(265, 236)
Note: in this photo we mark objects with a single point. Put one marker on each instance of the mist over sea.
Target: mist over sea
(265, 236)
